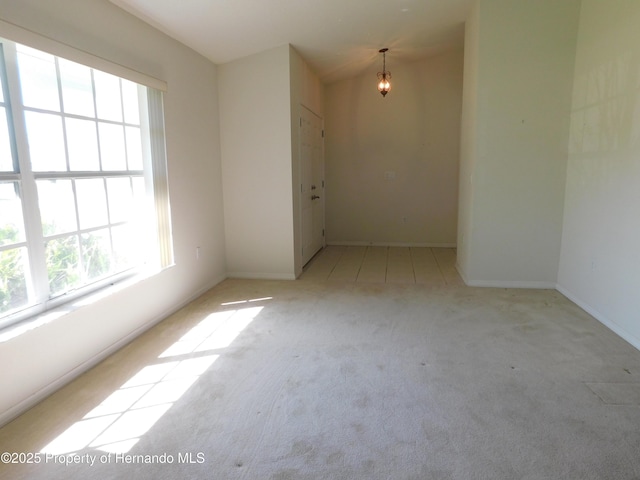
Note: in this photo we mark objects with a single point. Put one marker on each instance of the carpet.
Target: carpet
(330, 380)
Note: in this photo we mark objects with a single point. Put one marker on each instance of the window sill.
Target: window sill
(30, 323)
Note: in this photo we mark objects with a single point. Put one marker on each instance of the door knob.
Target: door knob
(313, 197)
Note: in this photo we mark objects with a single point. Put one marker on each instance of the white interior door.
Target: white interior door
(311, 183)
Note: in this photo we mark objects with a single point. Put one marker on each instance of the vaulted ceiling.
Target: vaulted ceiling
(338, 38)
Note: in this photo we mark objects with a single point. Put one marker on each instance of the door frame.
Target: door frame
(322, 199)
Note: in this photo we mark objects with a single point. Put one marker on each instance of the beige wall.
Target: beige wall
(39, 360)
(392, 163)
(600, 259)
(516, 127)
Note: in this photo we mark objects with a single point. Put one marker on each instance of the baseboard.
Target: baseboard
(607, 322)
(510, 284)
(462, 273)
(614, 327)
(503, 283)
(31, 401)
(262, 276)
(347, 243)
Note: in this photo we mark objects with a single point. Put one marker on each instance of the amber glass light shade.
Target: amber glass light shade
(384, 85)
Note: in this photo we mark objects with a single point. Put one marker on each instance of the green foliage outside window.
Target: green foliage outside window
(13, 289)
(63, 261)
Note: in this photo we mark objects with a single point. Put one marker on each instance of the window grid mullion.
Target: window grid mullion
(80, 117)
(97, 120)
(108, 225)
(78, 226)
(88, 174)
(109, 220)
(8, 110)
(37, 283)
(124, 128)
(57, 236)
(62, 114)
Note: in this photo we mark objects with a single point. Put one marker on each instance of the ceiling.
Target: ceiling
(338, 38)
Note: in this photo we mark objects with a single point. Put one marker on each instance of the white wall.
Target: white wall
(260, 98)
(468, 139)
(600, 257)
(517, 103)
(413, 133)
(36, 361)
(255, 134)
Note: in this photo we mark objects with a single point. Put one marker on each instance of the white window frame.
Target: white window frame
(154, 171)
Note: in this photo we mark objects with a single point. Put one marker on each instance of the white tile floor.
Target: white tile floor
(428, 266)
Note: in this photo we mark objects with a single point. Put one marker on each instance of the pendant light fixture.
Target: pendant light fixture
(383, 77)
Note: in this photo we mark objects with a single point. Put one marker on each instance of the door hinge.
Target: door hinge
(323, 232)
(300, 121)
(322, 133)
(322, 183)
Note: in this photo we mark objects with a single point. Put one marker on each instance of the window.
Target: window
(82, 180)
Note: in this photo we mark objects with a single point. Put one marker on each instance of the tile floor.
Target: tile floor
(428, 266)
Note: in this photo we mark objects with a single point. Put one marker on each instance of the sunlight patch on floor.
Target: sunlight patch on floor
(126, 415)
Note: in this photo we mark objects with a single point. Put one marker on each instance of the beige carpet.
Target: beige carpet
(315, 379)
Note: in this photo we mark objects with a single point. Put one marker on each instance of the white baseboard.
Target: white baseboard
(510, 284)
(607, 322)
(611, 325)
(462, 273)
(262, 276)
(348, 243)
(29, 402)
(26, 404)
(504, 284)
